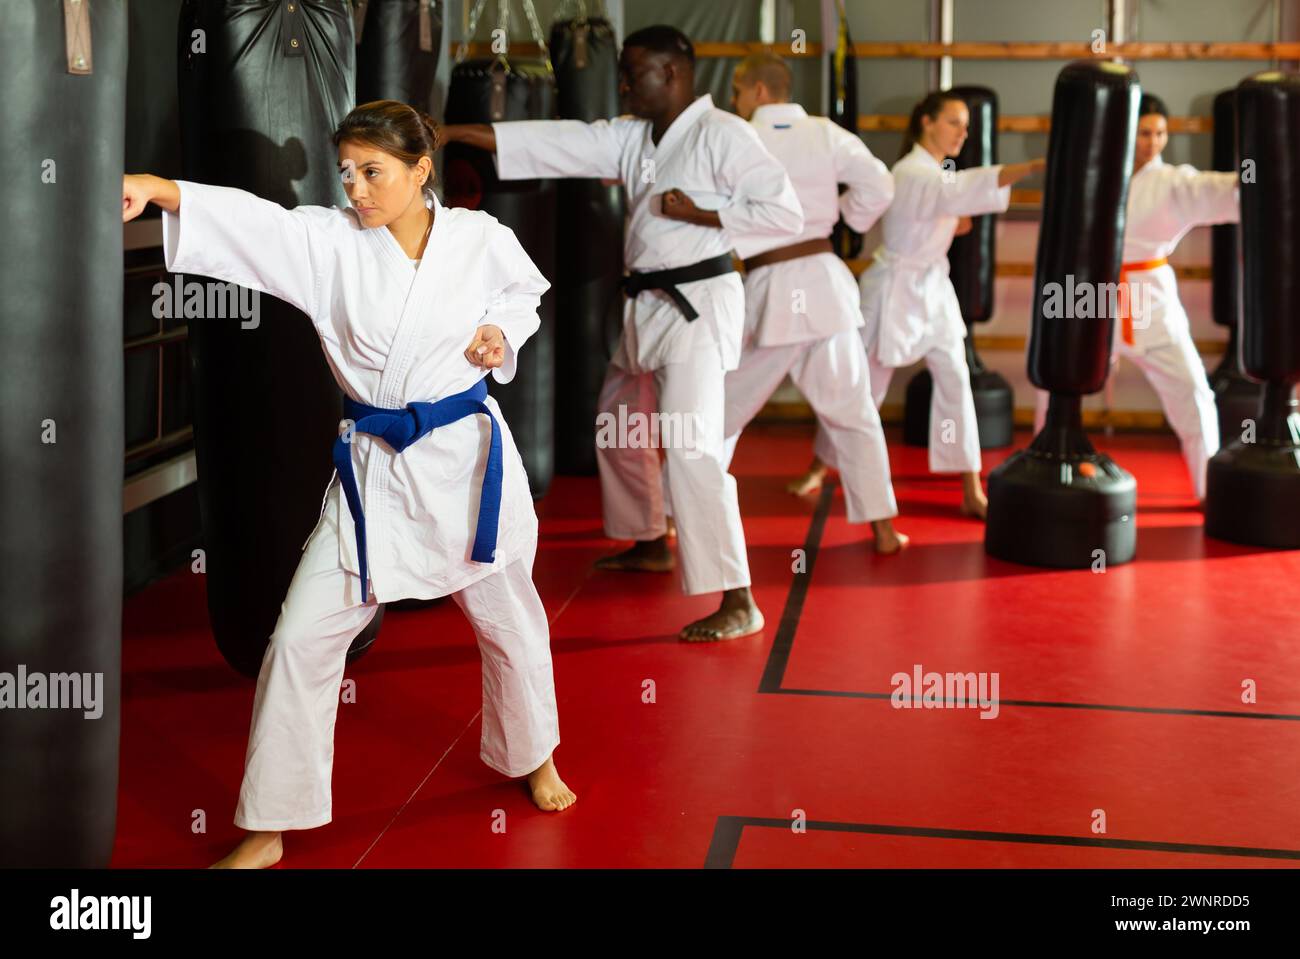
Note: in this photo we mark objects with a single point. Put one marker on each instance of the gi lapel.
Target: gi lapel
(418, 304)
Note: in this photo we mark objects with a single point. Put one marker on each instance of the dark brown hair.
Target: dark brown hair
(394, 127)
(931, 106)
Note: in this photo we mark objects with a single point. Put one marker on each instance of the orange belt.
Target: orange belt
(1125, 317)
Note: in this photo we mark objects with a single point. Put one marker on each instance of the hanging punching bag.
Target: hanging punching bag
(1253, 484)
(397, 49)
(588, 245)
(63, 124)
(972, 260)
(1060, 503)
(263, 85)
(488, 91)
(1235, 395)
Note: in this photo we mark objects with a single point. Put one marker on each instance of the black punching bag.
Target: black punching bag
(488, 91)
(1253, 485)
(263, 85)
(397, 49)
(63, 123)
(843, 86)
(1235, 395)
(972, 261)
(588, 246)
(1060, 503)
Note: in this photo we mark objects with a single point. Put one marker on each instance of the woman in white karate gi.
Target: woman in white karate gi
(909, 305)
(414, 303)
(1164, 204)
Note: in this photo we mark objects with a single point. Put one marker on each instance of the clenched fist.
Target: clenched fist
(488, 348)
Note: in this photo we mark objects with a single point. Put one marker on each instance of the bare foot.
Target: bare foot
(644, 556)
(549, 792)
(257, 850)
(737, 616)
(973, 501)
(810, 482)
(888, 539)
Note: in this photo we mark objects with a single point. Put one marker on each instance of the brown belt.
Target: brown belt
(792, 252)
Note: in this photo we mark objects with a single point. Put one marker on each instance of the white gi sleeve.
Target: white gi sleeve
(1204, 198)
(515, 289)
(870, 184)
(970, 192)
(527, 149)
(238, 237)
(763, 201)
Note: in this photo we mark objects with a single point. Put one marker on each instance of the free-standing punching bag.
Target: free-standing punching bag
(63, 124)
(488, 91)
(1235, 395)
(1059, 502)
(263, 85)
(1253, 484)
(843, 88)
(588, 245)
(397, 49)
(972, 261)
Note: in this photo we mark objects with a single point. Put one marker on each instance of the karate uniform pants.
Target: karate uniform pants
(1176, 373)
(832, 374)
(954, 430)
(689, 394)
(291, 745)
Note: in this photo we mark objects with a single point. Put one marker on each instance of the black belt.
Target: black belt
(635, 284)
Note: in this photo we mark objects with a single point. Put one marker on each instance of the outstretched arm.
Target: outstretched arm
(478, 135)
(234, 236)
(527, 149)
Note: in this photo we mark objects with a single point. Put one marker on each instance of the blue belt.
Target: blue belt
(400, 428)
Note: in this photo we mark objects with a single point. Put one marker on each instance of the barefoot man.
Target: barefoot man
(801, 301)
(695, 177)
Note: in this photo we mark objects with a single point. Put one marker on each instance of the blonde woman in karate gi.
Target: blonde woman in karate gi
(414, 303)
(1164, 204)
(908, 303)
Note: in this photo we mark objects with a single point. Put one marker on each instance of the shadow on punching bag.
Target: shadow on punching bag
(1253, 485)
(1061, 503)
(263, 85)
(63, 124)
(588, 245)
(1235, 395)
(972, 261)
(488, 91)
(397, 49)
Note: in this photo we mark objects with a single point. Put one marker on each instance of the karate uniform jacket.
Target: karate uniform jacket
(716, 159)
(392, 334)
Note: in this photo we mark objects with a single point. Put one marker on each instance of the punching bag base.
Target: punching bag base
(1251, 494)
(994, 409)
(1057, 511)
(1236, 397)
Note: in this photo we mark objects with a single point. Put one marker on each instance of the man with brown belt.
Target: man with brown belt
(801, 301)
